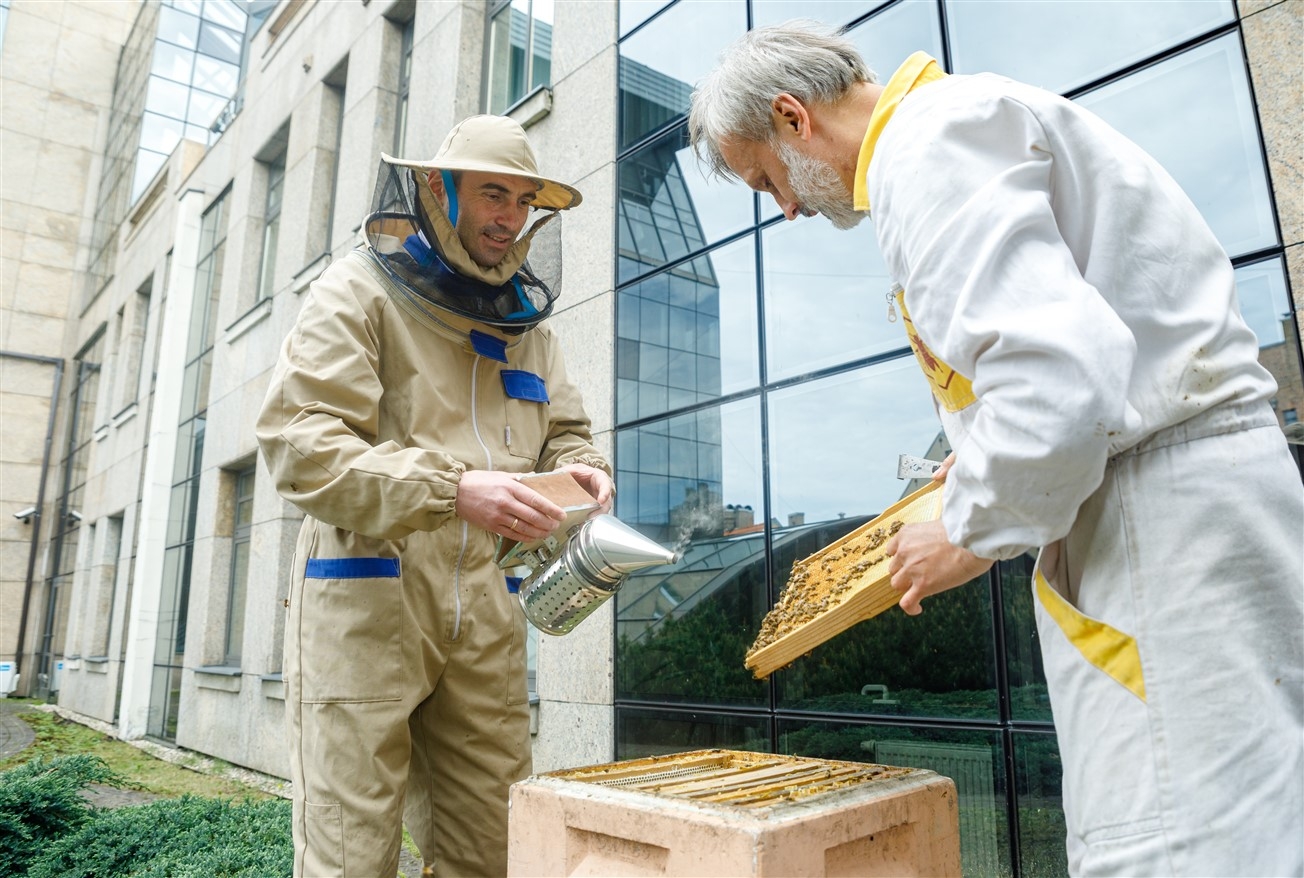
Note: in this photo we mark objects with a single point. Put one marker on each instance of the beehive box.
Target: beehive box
(842, 584)
(723, 812)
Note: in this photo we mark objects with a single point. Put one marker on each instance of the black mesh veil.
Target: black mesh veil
(402, 235)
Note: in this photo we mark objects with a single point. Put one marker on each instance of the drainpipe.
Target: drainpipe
(40, 499)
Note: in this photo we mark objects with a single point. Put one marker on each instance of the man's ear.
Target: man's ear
(790, 117)
(435, 180)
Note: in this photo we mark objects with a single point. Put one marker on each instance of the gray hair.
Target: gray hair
(812, 62)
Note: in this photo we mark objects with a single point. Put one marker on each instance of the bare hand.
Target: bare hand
(939, 474)
(925, 563)
(593, 480)
(498, 503)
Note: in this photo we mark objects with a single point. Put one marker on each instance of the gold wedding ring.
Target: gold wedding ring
(515, 521)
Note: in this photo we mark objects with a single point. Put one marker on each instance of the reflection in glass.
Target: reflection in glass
(688, 334)
(166, 97)
(972, 759)
(693, 482)
(1025, 39)
(520, 51)
(215, 76)
(825, 297)
(834, 443)
(1265, 304)
(642, 733)
(159, 133)
(175, 26)
(661, 63)
(220, 43)
(1206, 136)
(171, 62)
(635, 12)
(1037, 783)
(834, 12)
(668, 208)
(884, 41)
(1029, 700)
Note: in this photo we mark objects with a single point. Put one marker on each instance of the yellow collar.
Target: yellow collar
(919, 69)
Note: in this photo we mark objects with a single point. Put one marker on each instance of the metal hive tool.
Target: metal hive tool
(733, 778)
(842, 584)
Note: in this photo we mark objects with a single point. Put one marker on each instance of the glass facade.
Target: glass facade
(763, 396)
(66, 531)
(183, 506)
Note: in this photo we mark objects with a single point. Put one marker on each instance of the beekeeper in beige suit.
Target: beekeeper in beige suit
(418, 382)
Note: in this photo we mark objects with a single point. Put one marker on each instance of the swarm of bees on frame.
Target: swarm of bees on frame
(821, 582)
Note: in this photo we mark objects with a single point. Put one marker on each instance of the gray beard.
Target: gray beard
(818, 187)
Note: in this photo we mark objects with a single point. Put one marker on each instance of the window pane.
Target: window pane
(1206, 136)
(204, 107)
(1028, 696)
(661, 63)
(506, 63)
(825, 297)
(1025, 39)
(693, 482)
(225, 13)
(1037, 779)
(1265, 304)
(166, 97)
(972, 759)
(884, 42)
(833, 449)
(177, 27)
(147, 165)
(834, 12)
(222, 44)
(669, 208)
(159, 134)
(635, 12)
(215, 76)
(541, 60)
(697, 324)
(642, 733)
(172, 62)
(236, 609)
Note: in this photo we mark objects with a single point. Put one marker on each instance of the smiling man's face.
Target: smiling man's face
(491, 211)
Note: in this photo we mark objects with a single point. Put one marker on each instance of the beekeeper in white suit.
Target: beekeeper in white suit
(1079, 325)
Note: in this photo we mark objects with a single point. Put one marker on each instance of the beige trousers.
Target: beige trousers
(406, 703)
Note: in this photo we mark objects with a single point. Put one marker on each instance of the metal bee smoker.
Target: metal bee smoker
(578, 567)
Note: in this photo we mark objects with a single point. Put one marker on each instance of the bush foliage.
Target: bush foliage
(40, 801)
(188, 837)
(48, 829)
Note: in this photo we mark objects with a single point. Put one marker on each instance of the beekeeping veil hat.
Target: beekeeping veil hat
(416, 239)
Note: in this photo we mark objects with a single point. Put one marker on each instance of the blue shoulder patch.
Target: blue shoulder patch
(489, 346)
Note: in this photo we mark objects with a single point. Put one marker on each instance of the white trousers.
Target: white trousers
(1171, 621)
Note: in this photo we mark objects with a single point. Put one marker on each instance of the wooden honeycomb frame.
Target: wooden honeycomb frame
(833, 589)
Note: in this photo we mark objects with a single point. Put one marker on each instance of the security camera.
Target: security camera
(74, 515)
(25, 515)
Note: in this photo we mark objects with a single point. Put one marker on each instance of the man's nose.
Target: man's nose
(791, 209)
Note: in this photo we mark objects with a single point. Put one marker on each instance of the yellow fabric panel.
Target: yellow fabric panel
(919, 69)
(1103, 646)
(952, 390)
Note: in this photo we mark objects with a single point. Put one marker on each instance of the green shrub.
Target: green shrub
(40, 801)
(188, 837)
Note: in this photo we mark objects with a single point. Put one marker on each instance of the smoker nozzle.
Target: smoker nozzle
(607, 549)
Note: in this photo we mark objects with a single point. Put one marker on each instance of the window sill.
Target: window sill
(531, 108)
(249, 319)
(273, 686)
(221, 677)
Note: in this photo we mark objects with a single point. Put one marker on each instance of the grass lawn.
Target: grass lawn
(56, 736)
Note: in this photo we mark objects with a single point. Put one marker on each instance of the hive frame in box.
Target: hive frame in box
(869, 594)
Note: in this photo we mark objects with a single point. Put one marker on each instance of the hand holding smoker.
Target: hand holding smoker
(580, 564)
